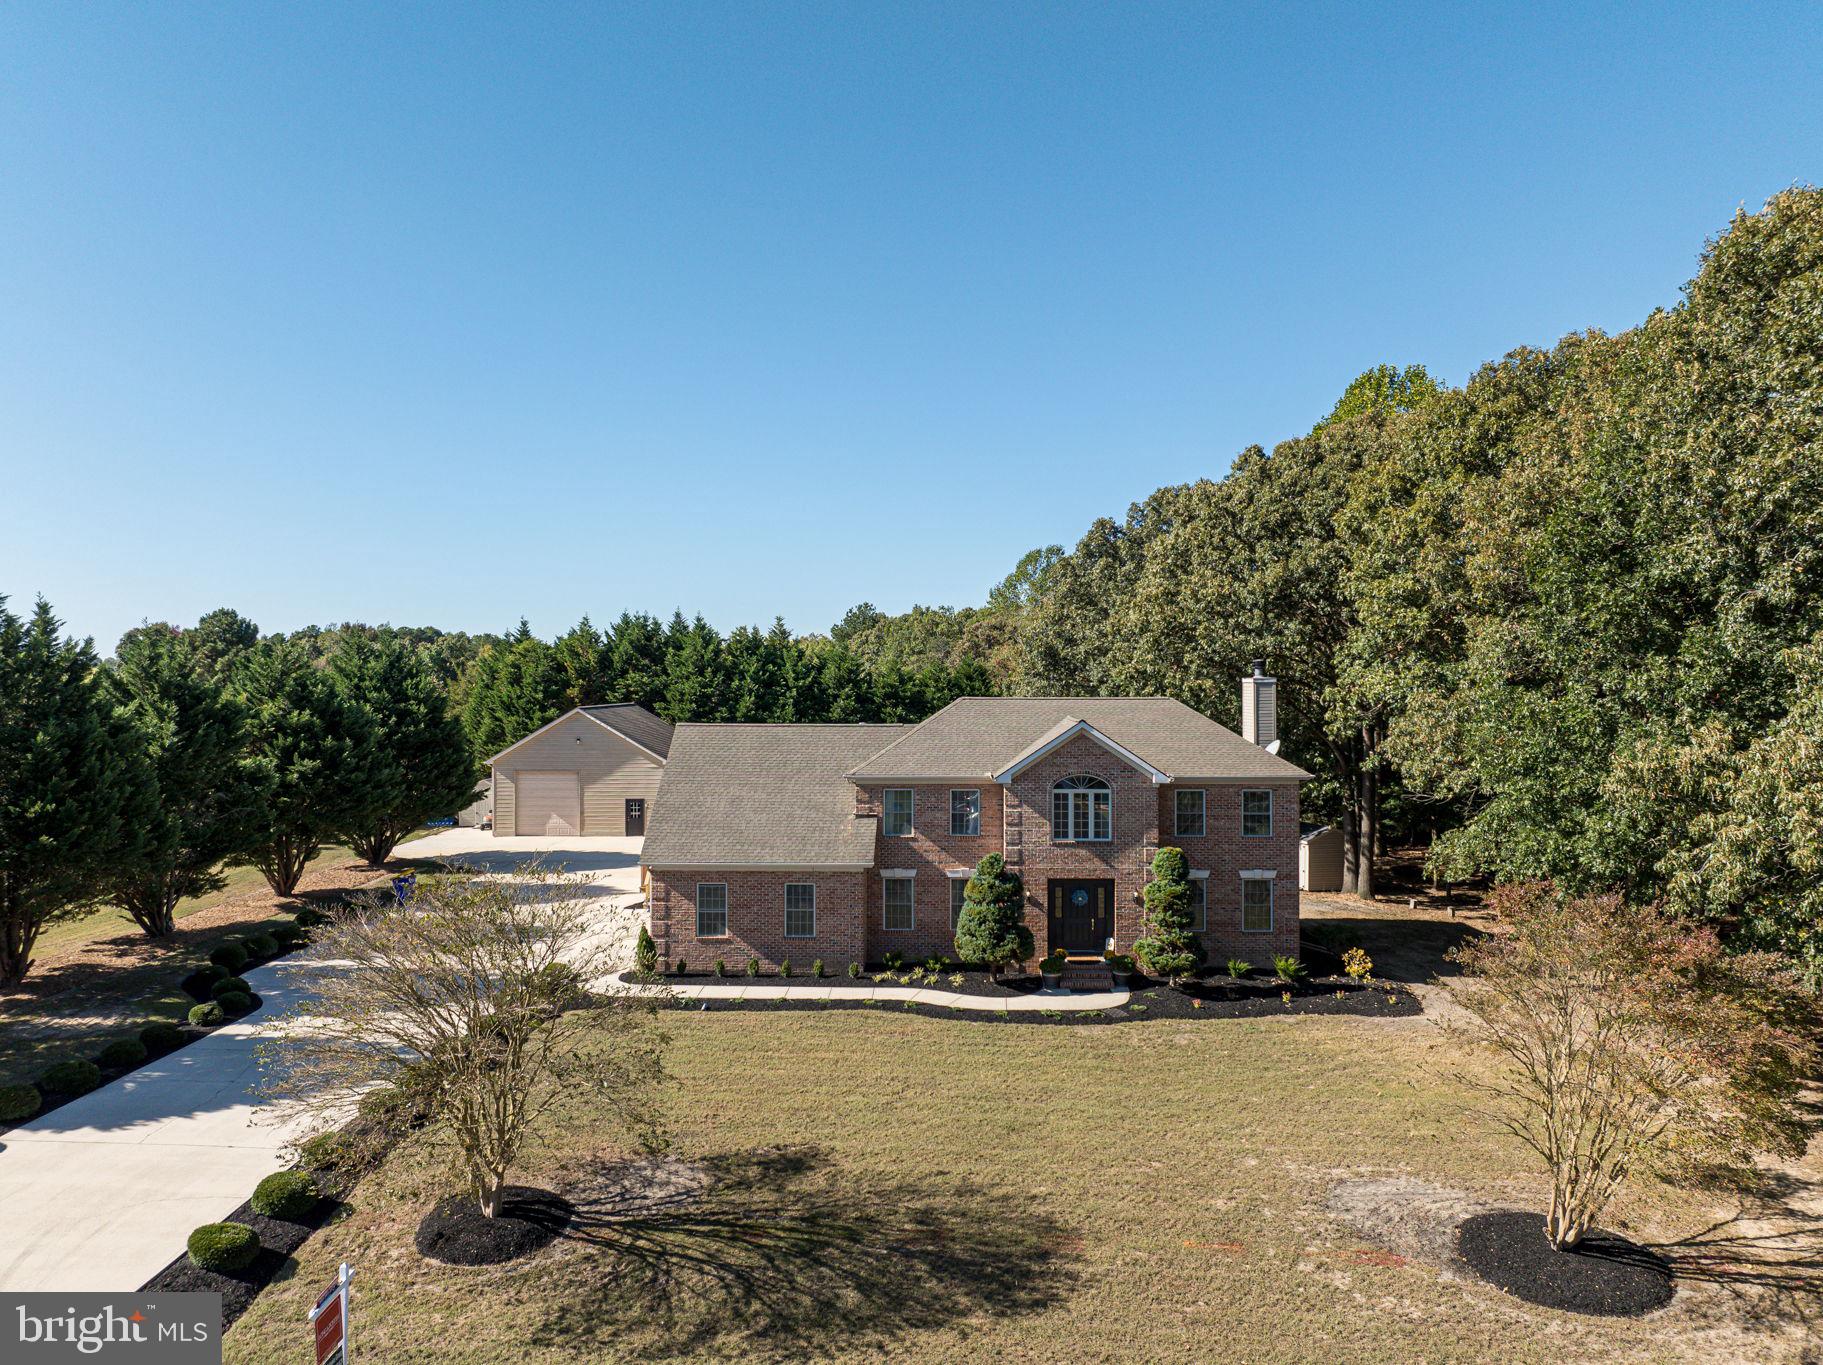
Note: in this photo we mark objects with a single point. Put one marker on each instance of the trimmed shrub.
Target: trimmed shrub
(289, 1195)
(235, 1003)
(260, 946)
(208, 1015)
(197, 984)
(122, 1054)
(161, 1037)
(287, 936)
(224, 1248)
(19, 1102)
(721, 968)
(854, 971)
(71, 1078)
(309, 918)
(645, 954)
(1171, 949)
(229, 985)
(683, 968)
(784, 966)
(753, 966)
(816, 969)
(230, 957)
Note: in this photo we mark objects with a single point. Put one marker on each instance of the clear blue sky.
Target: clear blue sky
(447, 314)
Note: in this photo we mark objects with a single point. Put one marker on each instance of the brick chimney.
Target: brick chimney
(1260, 707)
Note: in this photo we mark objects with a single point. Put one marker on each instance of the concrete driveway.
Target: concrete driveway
(102, 1193)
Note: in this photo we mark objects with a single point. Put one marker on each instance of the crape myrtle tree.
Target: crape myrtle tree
(991, 931)
(192, 732)
(1629, 1041)
(76, 791)
(419, 765)
(466, 1002)
(316, 749)
(1169, 949)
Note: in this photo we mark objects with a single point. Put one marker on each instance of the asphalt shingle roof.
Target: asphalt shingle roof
(635, 723)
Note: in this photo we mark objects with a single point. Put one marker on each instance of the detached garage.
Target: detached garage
(591, 771)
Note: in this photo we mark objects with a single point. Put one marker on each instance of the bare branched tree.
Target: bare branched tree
(1631, 1042)
(471, 1001)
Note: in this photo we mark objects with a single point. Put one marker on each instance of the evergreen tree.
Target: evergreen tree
(696, 686)
(1170, 949)
(991, 931)
(76, 791)
(219, 641)
(515, 688)
(209, 792)
(843, 690)
(582, 660)
(636, 660)
(316, 750)
(419, 765)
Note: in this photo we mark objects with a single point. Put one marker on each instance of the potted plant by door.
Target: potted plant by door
(1051, 969)
(1120, 967)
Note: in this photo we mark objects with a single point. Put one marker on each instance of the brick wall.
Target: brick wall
(931, 852)
(756, 920)
(1224, 852)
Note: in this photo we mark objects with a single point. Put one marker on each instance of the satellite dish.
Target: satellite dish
(1273, 747)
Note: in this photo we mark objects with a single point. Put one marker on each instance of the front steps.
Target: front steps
(1087, 974)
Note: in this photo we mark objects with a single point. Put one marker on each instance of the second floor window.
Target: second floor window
(896, 811)
(1082, 811)
(1190, 813)
(1256, 814)
(965, 812)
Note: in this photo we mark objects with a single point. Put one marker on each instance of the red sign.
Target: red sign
(329, 1322)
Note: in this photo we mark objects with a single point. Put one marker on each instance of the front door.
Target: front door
(1082, 915)
(636, 815)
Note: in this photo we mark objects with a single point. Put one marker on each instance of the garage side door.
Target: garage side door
(549, 804)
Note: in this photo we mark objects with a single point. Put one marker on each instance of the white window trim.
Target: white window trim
(1202, 815)
(1270, 877)
(813, 909)
(952, 813)
(1270, 812)
(912, 827)
(726, 916)
(899, 874)
(1088, 794)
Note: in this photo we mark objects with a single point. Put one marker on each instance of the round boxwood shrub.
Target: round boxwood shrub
(224, 1247)
(260, 946)
(19, 1102)
(72, 1078)
(307, 918)
(288, 1195)
(208, 1015)
(161, 1037)
(122, 1054)
(235, 1003)
(287, 936)
(229, 985)
(230, 957)
(196, 985)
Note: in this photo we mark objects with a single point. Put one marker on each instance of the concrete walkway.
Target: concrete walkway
(918, 995)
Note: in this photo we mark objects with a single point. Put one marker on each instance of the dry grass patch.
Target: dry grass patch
(856, 1185)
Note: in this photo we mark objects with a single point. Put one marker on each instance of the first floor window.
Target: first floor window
(1256, 905)
(1190, 813)
(898, 902)
(711, 909)
(896, 810)
(1199, 904)
(1256, 814)
(800, 910)
(965, 812)
(958, 889)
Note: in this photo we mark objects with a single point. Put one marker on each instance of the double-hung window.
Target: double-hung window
(711, 909)
(1256, 814)
(958, 889)
(965, 812)
(1199, 904)
(800, 910)
(1191, 813)
(1256, 905)
(899, 898)
(896, 811)
(1082, 811)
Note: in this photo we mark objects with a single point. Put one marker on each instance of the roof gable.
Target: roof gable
(643, 730)
(1062, 733)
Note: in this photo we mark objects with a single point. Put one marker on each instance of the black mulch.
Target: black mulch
(456, 1233)
(1605, 1274)
(278, 1239)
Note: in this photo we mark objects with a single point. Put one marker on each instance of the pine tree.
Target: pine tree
(582, 662)
(991, 931)
(695, 678)
(209, 792)
(636, 660)
(1170, 950)
(75, 789)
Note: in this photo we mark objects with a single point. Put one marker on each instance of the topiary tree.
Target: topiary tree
(645, 954)
(1170, 949)
(991, 931)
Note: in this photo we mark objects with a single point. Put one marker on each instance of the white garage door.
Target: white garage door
(548, 804)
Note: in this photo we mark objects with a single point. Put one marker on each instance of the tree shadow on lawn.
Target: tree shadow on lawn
(783, 1252)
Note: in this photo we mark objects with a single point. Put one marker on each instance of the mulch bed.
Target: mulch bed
(456, 1233)
(1605, 1274)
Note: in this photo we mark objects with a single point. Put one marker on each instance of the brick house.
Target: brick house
(846, 842)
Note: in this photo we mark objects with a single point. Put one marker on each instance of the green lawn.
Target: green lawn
(936, 1190)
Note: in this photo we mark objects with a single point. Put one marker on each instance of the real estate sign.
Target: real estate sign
(329, 1320)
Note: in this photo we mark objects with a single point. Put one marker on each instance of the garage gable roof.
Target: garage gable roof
(636, 725)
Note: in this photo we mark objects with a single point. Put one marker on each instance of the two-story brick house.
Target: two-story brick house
(846, 842)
